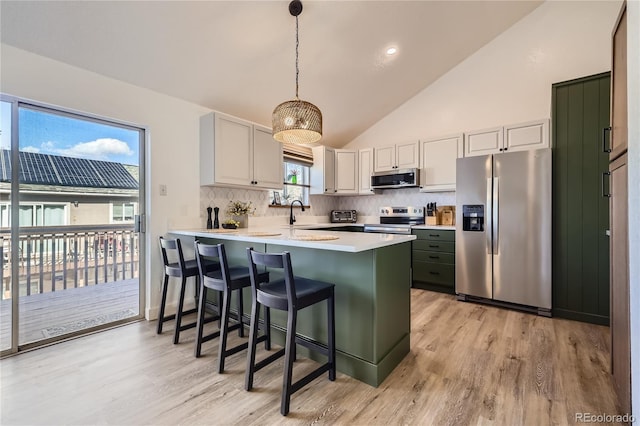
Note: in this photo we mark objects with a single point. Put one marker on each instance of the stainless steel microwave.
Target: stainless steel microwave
(395, 179)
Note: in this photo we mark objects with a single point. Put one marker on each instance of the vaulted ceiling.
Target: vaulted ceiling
(238, 56)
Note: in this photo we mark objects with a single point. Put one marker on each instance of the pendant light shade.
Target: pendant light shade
(297, 121)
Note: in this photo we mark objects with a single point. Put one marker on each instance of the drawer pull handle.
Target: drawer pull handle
(434, 257)
(434, 235)
(433, 246)
(434, 273)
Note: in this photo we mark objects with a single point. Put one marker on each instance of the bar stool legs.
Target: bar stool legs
(291, 295)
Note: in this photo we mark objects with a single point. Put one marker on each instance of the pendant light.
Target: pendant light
(297, 121)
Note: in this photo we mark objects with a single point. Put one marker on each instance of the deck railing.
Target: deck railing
(61, 257)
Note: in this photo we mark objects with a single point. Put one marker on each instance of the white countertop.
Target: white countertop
(347, 241)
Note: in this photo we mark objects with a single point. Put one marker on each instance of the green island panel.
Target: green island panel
(372, 304)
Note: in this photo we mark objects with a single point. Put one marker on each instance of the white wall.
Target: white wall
(172, 145)
(508, 80)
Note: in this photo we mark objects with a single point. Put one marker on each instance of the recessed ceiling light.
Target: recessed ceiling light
(392, 51)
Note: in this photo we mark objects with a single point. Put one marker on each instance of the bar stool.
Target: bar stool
(181, 269)
(225, 280)
(290, 294)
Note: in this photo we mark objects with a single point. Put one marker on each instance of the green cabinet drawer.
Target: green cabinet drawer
(436, 273)
(430, 245)
(434, 257)
(435, 235)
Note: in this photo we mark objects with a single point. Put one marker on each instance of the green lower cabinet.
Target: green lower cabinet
(434, 261)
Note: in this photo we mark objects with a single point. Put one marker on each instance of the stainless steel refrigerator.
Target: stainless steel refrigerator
(503, 229)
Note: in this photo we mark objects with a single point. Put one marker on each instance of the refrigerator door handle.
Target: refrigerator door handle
(494, 216)
(488, 224)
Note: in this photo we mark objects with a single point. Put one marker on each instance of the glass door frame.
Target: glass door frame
(16, 103)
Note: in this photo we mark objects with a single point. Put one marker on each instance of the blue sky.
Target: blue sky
(59, 135)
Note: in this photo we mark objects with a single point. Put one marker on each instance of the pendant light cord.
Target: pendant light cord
(297, 70)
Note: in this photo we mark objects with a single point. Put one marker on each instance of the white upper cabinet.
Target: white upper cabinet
(524, 136)
(438, 163)
(482, 142)
(267, 159)
(346, 171)
(323, 171)
(365, 169)
(228, 147)
(399, 156)
(516, 137)
(334, 171)
(407, 155)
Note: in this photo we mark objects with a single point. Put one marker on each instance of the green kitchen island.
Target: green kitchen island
(372, 277)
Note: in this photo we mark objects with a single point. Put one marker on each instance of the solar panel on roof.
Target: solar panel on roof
(76, 172)
(5, 163)
(115, 175)
(45, 169)
(36, 168)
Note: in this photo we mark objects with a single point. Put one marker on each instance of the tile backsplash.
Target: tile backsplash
(321, 205)
(220, 197)
(367, 205)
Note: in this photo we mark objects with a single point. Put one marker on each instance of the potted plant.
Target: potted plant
(293, 175)
(239, 212)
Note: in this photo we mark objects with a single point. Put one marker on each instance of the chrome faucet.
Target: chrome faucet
(292, 218)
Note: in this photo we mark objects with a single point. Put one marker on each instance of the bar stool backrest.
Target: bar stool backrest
(277, 261)
(173, 269)
(213, 252)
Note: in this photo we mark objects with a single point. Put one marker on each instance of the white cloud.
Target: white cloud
(30, 149)
(97, 149)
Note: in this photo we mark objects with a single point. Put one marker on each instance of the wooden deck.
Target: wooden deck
(52, 314)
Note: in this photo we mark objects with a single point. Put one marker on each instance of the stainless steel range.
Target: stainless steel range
(397, 220)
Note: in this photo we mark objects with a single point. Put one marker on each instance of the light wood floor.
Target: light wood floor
(469, 364)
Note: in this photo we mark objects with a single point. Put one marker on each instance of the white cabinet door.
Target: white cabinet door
(233, 152)
(329, 170)
(267, 159)
(407, 155)
(346, 171)
(482, 142)
(323, 171)
(524, 136)
(438, 163)
(365, 169)
(384, 158)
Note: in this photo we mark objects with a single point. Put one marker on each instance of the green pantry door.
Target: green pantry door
(580, 208)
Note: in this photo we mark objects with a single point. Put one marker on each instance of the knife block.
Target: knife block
(431, 220)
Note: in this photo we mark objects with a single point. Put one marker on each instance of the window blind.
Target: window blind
(297, 153)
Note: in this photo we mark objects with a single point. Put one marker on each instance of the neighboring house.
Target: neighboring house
(57, 190)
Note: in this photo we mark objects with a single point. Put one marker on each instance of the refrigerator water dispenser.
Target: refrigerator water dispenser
(473, 217)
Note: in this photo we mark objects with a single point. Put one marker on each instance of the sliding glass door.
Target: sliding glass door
(71, 191)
